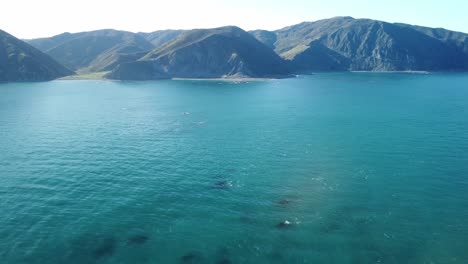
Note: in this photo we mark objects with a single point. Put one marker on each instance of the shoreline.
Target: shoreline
(414, 72)
(224, 79)
(100, 76)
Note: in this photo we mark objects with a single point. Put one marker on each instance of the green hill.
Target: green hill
(93, 51)
(225, 52)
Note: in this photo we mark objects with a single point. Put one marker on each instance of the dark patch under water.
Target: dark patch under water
(88, 249)
(223, 256)
(330, 227)
(223, 261)
(284, 202)
(193, 257)
(222, 184)
(105, 248)
(138, 239)
(284, 225)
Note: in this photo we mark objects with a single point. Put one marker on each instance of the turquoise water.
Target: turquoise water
(366, 168)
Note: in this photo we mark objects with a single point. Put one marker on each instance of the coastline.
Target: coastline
(224, 79)
(94, 76)
(100, 76)
(410, 72)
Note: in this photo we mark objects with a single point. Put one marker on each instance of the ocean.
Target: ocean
(324, 168)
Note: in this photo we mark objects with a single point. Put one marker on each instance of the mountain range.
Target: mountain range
(206, 53)
(348, 44)
(336, 44)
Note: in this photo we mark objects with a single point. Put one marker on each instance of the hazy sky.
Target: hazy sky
(42, 18)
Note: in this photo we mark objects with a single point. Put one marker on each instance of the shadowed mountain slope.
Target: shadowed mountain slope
(344, 43)
(20, 61)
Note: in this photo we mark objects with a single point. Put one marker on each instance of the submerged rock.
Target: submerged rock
(192, 257)
(284, 224)
(105, 248)
(224, 184)
(137, 239)
(276, 256)
(222, 256)
(287, 201)
(284, 202)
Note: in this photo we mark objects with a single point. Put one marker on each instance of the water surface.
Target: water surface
(366, 168)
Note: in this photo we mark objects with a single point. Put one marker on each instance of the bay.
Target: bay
(364, 167)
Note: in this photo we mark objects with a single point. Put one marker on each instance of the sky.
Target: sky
(45, 18)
